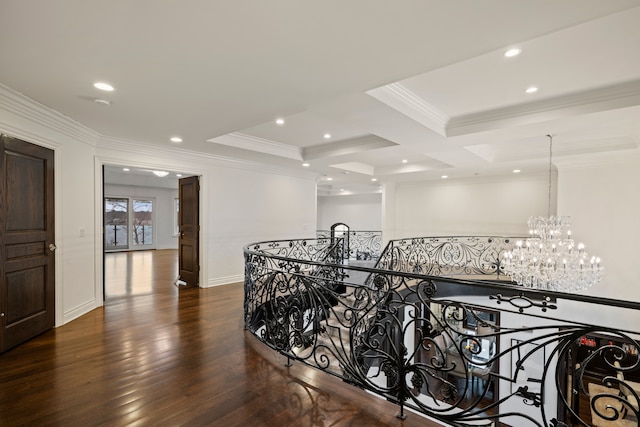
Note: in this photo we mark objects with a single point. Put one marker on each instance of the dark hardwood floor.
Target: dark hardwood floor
(156, 355)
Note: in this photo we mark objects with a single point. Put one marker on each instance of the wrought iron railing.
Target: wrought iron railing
(465, 352)
(447, 256)
(362, 245)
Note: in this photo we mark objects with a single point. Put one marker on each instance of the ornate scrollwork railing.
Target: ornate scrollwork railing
(466, 352)
(363, 245)
(446, 255)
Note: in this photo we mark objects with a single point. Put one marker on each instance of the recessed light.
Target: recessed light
(531, 89)
(102, 101)
(126, 169)
(160, 173)
(279, 121)
(306, 165)
(342, 189)
(404, 160)
(103, 86)
(516, 171)
(374, 179)
(329, 178)
(176, 139)
(512, 52)
(327, 135)
(445, 176)
(178, 175)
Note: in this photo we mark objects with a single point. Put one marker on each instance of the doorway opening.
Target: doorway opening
(141, 212)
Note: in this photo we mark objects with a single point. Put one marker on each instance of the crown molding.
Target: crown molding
(254, 143)
(403, 100)
(346, 146)
(15, 103)
(591, 101)
(593, 161)
(123, 151)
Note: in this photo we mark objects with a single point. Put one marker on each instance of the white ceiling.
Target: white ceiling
(421, 80)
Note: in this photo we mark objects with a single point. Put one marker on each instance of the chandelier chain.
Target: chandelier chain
(549, 259)
(550, 173)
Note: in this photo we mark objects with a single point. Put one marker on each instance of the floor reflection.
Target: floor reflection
(135, 272)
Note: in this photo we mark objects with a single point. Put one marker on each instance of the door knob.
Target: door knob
(52, 247)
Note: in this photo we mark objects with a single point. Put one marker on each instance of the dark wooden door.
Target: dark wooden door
(189, 228)
(27, 280)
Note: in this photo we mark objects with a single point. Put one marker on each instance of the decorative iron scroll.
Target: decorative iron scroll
(363, 245)
(521, 302)
(446, 256)
(407, 338)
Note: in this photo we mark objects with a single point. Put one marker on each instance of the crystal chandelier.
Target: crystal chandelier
(549, 259)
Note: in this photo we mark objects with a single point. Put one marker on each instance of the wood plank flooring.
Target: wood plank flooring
(158, 355)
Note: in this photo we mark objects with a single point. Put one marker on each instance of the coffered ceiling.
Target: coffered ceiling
(403, 90)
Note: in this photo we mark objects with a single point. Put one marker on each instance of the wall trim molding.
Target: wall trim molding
(78, 311)
(22, 106)
(228, 280)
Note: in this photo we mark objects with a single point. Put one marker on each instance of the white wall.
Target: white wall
(604, 205)
(359, 211)
(247, 207)
(482, 206)
(165, 236)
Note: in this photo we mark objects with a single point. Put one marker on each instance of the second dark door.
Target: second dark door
(189, 230)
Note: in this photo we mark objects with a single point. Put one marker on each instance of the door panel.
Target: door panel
(189, 230)
(27, 280)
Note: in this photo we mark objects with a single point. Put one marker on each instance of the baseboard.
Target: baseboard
(78, 311)
(219, 281)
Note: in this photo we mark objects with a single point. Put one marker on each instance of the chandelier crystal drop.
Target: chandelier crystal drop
(549, 259)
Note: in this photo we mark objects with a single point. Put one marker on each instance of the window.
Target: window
(128, 223)
(142, 229)
(116, 223)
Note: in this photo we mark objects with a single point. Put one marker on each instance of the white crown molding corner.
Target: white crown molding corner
(408, 103)
(262, 145)
(15, 103)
